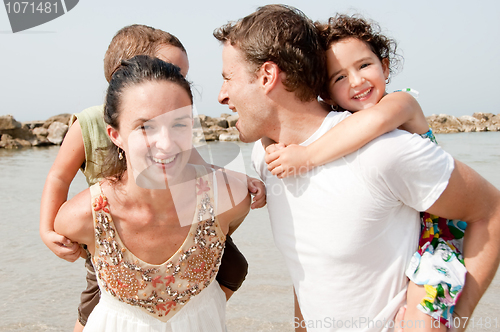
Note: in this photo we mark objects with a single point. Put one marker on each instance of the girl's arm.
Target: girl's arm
(396, 110)
(70, 157)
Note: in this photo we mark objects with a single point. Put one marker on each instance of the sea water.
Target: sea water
(40, 292)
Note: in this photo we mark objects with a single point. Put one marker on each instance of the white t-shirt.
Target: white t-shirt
(348, 229)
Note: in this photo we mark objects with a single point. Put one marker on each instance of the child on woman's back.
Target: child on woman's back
(359, 63)
(84, 148)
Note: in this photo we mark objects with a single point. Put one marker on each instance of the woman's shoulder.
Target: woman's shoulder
(233, 199)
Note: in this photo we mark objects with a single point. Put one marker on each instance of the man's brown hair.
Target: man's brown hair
(284, 35)
(135, 40)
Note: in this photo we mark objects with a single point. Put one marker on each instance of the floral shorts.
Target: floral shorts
(438, 265)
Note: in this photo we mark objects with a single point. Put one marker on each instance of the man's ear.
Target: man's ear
(325, 97)
(327, 100)
(114, 136)
(269, 75)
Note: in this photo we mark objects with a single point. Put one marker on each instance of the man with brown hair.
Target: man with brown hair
(348, 229)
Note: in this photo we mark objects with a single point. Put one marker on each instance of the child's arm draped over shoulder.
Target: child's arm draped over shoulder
(69, 159)
(395, 110)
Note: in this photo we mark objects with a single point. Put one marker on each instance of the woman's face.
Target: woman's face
(155, 131)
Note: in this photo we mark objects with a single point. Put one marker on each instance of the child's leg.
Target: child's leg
(414, 319)
(233, 268)
(89, 298)
(78, 326)
(437, 268)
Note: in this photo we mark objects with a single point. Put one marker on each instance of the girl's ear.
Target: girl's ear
(385, 67)
(114, 136)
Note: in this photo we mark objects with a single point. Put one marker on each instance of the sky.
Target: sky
(451, 50)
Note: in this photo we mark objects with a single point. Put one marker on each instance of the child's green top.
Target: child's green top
(95, 141)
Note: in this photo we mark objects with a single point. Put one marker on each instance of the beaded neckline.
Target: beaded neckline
(160, 290)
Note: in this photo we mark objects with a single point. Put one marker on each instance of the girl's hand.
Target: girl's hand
(258, 190)
(287, 161)
(399, 319)
(62, 246)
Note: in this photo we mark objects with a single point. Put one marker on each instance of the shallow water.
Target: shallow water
(41, 292)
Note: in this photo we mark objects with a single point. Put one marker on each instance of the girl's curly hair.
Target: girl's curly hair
(342, 26)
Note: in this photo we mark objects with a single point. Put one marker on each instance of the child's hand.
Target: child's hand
(258, 190)
(399, 319)
(62, 246)
(287, 161)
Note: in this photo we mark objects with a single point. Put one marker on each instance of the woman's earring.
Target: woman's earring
(334, 108)
(120, 154)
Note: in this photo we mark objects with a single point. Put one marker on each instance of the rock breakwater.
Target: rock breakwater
(14, 134)
(444, 124)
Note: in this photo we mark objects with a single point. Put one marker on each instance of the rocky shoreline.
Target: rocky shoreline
(445, 124)
(14, 134)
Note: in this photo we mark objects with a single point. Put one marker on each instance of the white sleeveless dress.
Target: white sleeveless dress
(180, 295)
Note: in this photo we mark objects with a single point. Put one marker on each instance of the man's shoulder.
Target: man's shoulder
(403, 152)
(394, 151)
(394, 142)
(333, 118)
(258, 152)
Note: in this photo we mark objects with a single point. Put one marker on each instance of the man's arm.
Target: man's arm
(469, 197)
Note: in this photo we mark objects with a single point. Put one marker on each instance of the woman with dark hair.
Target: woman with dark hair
(156, 225)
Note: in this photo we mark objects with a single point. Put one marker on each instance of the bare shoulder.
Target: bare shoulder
(233, 199)
(74, 218)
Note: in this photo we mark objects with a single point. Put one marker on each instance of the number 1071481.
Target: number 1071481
(31, 7)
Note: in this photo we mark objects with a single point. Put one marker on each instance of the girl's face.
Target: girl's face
(155, 131)
(356, 75)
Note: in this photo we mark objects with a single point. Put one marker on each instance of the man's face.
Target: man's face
(242, 93)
